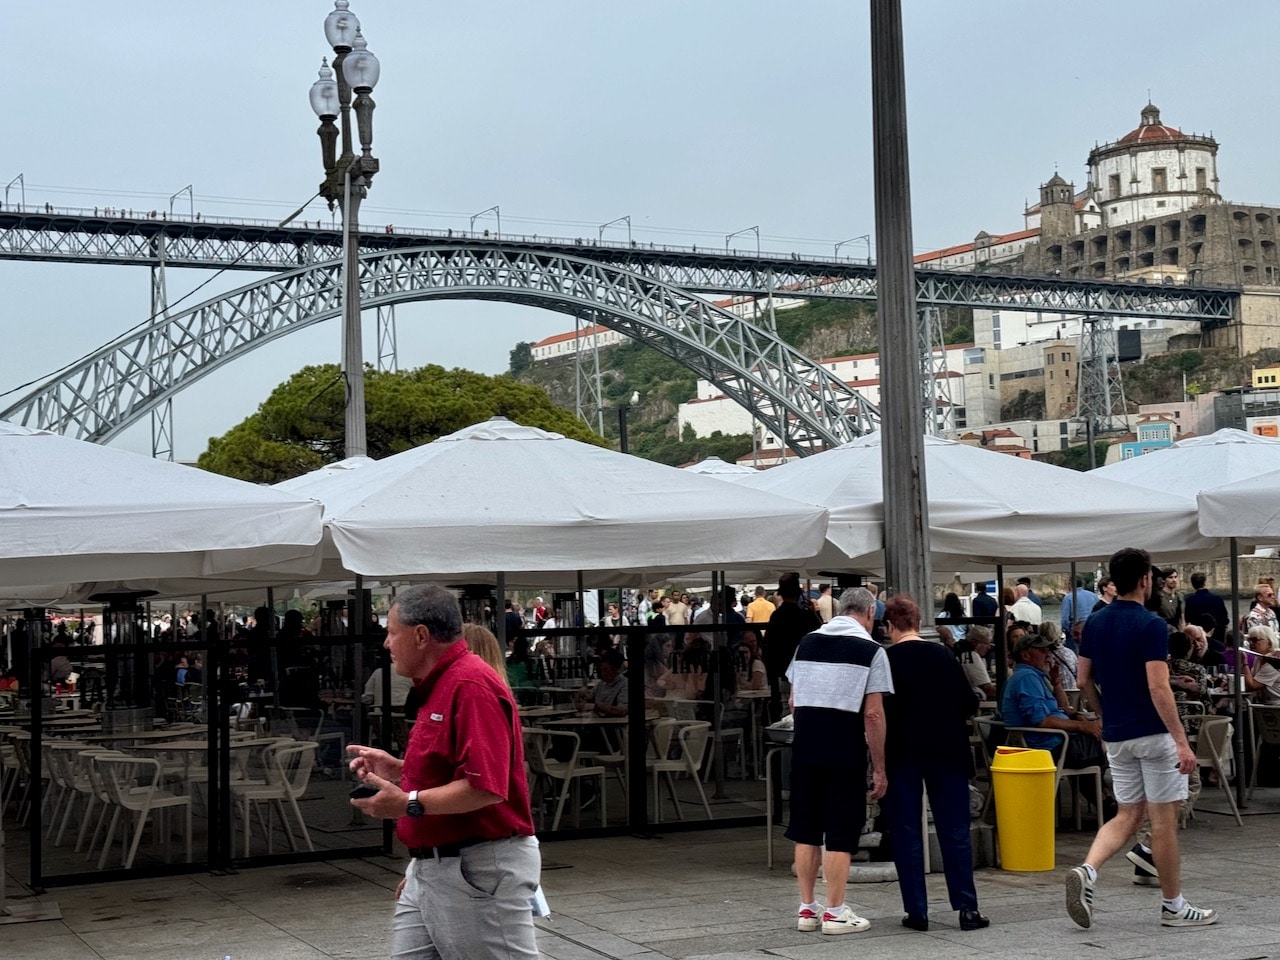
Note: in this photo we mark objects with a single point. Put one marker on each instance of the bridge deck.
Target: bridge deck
(146, 239)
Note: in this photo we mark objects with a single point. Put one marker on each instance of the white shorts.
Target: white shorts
(1146, 768)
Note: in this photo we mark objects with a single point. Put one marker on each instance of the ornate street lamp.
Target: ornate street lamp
(346, 182)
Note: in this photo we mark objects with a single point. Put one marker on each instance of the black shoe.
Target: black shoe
(915, 923)
(973, 920)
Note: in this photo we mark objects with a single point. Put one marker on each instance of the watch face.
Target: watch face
(414, 809)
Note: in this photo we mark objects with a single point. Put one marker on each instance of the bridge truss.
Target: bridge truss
(649, 292)
(127, 378)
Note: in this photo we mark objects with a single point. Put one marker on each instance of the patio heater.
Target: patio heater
(128, 672)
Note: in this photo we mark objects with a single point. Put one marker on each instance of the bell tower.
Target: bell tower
(1057, 208)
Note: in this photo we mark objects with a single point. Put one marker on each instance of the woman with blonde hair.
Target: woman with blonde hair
(484, 644)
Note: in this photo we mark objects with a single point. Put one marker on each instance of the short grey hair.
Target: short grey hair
(432, 607)
(858, 600)
(1262, 632)
(977, 634)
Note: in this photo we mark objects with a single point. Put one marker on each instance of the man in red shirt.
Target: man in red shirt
(459, 796)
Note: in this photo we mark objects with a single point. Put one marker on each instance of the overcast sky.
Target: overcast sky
(695, 118)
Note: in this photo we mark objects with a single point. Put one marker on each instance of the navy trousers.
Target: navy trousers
(949, 800)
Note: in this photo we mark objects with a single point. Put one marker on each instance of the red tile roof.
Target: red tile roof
(966, 247)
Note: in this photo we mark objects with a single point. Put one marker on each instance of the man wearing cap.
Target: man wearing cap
(1032, 700)
(459, 797)
(788, 624)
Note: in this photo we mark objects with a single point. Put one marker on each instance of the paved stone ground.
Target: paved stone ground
(687, 896)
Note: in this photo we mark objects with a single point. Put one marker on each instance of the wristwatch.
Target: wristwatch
(414, 809)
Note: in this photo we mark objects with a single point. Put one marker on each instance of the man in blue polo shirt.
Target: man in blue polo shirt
(1124, 652)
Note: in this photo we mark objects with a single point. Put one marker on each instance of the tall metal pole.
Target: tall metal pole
(906, 509)
(352, 336)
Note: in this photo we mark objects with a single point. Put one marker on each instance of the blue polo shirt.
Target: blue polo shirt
(1028, 699)
(1120, 640)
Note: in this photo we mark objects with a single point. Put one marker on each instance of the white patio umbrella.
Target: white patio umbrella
(73, 512)
(498, 496)
(1248, 508)
(715, 467)
(988, 507)
(1211, 472)
(1198, 464)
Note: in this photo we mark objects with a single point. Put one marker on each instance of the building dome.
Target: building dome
(1151, 130)
(1152, 171)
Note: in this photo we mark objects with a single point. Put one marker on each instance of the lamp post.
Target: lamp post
(623, 409)
(346, 182)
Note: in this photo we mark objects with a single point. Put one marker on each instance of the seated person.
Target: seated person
(972, 652)
(1188, 679)
(751, 673)
(1062, 659)
(659, 681)
(1202, 650)
(1260, 673)
(609, 698)
(1032, 700)
(400, 687)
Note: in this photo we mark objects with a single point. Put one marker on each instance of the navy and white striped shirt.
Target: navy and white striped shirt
(834, 669)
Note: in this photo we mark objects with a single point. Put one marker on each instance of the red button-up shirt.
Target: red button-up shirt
(468, 727)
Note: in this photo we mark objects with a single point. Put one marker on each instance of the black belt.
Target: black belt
(447, 850)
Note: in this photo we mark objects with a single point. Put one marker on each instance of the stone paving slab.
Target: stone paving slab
(704, 896)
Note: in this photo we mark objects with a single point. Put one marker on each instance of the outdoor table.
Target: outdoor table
(581, 721)
(143, 735)
(541, 713)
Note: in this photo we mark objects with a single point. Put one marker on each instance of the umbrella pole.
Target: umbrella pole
(500, 614)
(1237, 740)
(719, 651)
(1002, 653)
(1071, 592)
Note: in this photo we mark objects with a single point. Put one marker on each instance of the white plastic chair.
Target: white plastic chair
(288, 774)
(1265, 720)
(133, 784)
(1070, 774)
(548, 771)
(1213, 747)
(690, 738)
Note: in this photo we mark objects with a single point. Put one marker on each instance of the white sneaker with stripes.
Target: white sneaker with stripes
(1188, 916)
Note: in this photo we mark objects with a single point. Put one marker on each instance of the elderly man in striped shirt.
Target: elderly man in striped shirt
(838, 679)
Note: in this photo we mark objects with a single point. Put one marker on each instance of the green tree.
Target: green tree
(300, 426)
(521, 357)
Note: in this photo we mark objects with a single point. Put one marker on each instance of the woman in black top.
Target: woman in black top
(927, 748)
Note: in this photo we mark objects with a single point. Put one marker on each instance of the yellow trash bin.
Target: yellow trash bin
(1025, 792)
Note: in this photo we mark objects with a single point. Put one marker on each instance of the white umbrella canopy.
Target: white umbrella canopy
(989, 507)
(715, 467)
(1198, 463)
(1248, 508)
(498, 496)
(74, 513)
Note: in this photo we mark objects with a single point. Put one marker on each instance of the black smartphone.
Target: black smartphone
(364, 792)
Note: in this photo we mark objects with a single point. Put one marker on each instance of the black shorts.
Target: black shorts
(828, 805)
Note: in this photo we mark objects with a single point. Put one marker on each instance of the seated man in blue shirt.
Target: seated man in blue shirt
(1031, 699)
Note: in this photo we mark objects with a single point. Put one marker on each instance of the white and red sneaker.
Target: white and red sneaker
(808, 920)
(843, 920)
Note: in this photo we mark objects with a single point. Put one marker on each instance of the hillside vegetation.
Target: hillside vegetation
(819, 329)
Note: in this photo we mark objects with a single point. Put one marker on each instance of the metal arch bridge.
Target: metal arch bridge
(790, 394)
(90, 236)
